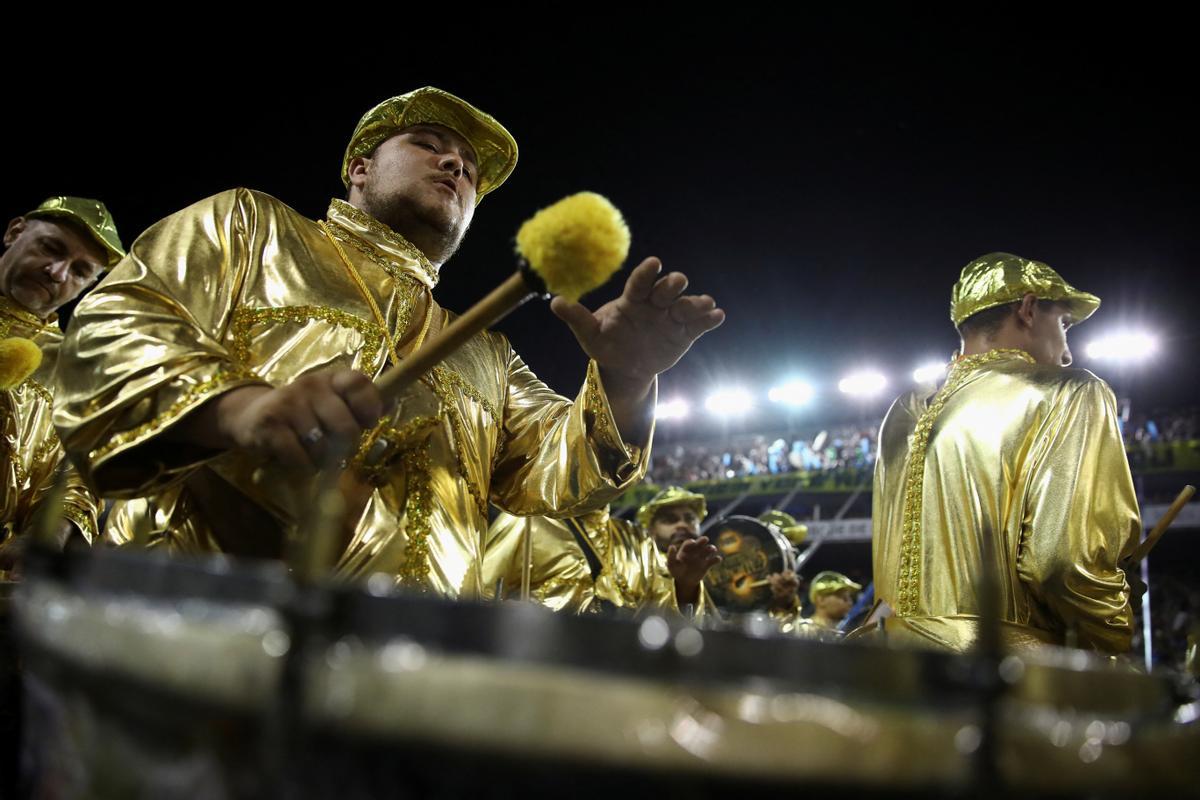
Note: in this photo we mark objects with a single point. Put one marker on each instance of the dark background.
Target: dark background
(825, 180)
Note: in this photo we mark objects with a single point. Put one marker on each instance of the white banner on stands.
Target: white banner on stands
(841, 530)
(859, 530)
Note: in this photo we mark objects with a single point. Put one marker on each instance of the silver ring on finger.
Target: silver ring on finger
(314, 436)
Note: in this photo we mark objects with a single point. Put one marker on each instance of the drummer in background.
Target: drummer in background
(832, 595)
(1015, 467)
(52, 255)
(671, 519)
(785, 608)
(673, 516)
(598, 562)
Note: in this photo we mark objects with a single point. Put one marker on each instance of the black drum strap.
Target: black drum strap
(581, 539)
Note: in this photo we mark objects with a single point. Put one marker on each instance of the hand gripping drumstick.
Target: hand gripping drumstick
(568, 248)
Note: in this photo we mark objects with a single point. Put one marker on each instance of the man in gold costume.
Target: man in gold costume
(218, 362)
(1013, 470)
(785, 605)
(832, 595)
(597, 562)
(52, 255)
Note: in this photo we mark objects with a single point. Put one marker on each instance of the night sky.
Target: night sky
(825, 184)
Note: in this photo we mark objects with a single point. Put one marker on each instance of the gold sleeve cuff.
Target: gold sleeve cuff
(561, 458)
(153, 467)
(83, 520)
(625, 463)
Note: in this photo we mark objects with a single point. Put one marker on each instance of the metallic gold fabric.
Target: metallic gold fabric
(240, 289)
(1029, 457)
(494, 146)
(791, 623)
(999, 278)
(958, 633)
(671, 496)
(92, 215)
(633, 573)
(559, 577)
(30, 452)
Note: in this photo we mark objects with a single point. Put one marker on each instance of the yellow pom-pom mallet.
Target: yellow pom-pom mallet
(19, 358)
(575, 245)
(567, 249)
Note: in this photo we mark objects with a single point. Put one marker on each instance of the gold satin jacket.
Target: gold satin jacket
(632, 573)
(239, 289)
(1029, 458)
(30, 452)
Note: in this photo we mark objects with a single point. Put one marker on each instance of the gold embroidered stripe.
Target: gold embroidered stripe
(909, 590)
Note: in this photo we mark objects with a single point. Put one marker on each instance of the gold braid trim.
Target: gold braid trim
(626, 593)
(38, 389)
(604, 544)
(40, 455)
(548, 587)
(246, 318)
(46, 449)
(376, 227)
(444, 381)
(10, 312)
(454, 380)
(224, 378)
(371, 252)
(598, 407)
(17, 467)
(403, 444)
(82, 521)
(378, 447)
(417, 508)
(909, 589)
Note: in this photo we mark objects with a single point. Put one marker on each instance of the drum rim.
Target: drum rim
(532, 634)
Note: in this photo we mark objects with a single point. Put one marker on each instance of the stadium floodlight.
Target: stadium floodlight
(729, 402)
(864, 383)
(1124, 347)
(672, 409)
(930, 372)
(792, 393)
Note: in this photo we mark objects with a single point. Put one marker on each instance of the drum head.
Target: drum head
(750, 551)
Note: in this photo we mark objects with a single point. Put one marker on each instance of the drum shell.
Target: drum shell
(232, 681)
(750, 551)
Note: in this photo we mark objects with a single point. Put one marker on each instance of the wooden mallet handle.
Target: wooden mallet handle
(1161, 526)
(520, 286)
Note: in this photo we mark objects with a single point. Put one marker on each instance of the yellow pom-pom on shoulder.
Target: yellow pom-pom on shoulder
(576, 244)
(19, 358)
